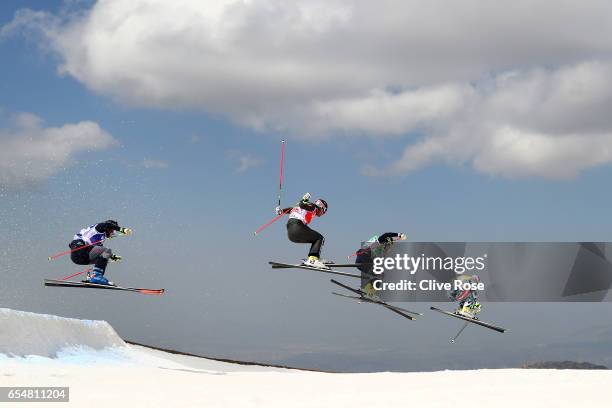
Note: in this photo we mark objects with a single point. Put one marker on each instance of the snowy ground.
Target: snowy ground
(132, 376)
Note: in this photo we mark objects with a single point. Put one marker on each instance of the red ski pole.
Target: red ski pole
(280, 184)
(357, 253)
(52, 257)
(75, 274)
(267, 224)
(280, 190)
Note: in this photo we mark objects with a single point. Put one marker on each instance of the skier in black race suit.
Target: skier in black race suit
(299, 232)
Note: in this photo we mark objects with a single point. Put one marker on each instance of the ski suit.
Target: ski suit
(95, 254)
(373, 248)
(298, 230)
(464, 297)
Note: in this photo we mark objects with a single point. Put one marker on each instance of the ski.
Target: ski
(359, 298)
(331, 271)
(330, 264)
(470, 320)
(72, 284)
(363, 297)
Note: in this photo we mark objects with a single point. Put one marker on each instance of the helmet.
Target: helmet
(322, 206)
(113, 226)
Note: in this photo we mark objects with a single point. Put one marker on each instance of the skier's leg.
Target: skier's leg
(303, 234)
(315, 248)
(474, 304)
(470, 306)
(79, 256)
(99, 256)
(297, 232)
(300, 233)
(365, 262)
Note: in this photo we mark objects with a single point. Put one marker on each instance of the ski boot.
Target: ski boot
(314, 262)
(370, 292)
(469, 310)
(96, 275)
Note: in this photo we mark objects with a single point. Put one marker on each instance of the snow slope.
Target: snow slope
(106, 372)
(25, 333)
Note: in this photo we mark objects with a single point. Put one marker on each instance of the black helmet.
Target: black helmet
(112, 226)
(322, 204)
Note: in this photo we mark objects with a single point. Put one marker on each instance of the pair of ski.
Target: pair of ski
(403, 312)
(73, 284)
(364, 298)
(280, 265)
(467, 321)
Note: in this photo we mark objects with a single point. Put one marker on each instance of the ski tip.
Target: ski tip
(152, 291)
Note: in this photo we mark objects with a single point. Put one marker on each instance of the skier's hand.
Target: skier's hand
(126, 231)
(278, 210)
(306, 197)
(402, 236)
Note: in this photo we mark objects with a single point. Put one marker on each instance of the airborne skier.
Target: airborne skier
(91, 251)
(468, 299)
(299, 232)
(375, 247)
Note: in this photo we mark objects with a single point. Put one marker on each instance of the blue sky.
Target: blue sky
(173, 175)
(439, 202)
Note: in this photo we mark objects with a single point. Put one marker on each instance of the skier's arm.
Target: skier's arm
(280, 211)
(304, 204)
(106, 226)
(307, 206)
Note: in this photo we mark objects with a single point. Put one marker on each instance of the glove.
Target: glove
(402, 236)
(115, 258)
(278, 210)
(306, 197)
(126, 231)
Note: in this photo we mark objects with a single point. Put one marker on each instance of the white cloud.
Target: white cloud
(31, 153)
(464, 75)
(154, 164)
(541, 123)
(243, 161)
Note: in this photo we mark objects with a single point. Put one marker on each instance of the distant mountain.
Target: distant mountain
(565, 365)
